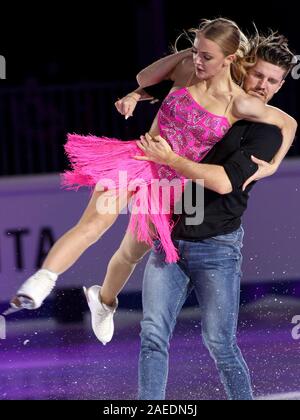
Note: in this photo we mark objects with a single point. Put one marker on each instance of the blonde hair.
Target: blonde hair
(230, 39)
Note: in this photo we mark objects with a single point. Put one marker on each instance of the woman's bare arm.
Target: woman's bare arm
(177, 67)
(162, 69)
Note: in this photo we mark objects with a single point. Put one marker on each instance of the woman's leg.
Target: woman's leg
(121, 266)
(90, 228)
(101, 213)
(103, 300)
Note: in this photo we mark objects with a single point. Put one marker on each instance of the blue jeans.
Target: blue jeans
(211, 267)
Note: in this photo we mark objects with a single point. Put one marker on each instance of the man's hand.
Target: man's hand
(265, 169)
(127, 105)
(156, 149)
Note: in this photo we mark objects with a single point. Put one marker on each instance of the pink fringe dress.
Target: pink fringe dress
(191, 131)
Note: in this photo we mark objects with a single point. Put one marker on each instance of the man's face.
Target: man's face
(264, 80)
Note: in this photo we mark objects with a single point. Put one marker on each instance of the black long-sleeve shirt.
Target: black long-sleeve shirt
(223, 213)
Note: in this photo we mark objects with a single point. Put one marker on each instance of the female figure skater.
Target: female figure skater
(183, 127)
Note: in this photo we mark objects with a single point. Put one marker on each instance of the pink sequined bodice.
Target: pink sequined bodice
(190, 129)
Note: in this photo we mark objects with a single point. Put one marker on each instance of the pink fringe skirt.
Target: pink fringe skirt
(100, 160)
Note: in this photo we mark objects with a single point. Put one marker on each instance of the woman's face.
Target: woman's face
(208, 58)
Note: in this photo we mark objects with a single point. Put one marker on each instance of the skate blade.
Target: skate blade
(25, 303)
(11, 311)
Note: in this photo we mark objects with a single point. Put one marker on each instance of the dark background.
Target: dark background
(59, 43)
(112, 40)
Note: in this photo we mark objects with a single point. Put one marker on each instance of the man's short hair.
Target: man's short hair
(273, 49)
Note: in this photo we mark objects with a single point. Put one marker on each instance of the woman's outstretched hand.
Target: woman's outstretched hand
(265, 169)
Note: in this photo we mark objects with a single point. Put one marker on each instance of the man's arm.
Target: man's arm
(263, 141)
(214, 176)
(159, 151)
(253, 109)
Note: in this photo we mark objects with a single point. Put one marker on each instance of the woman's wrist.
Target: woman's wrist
(134, 95)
